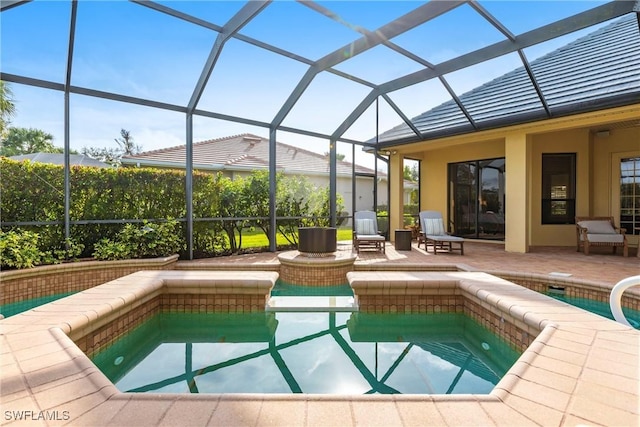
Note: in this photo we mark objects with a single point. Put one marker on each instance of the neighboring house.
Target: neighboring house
(519, 164)
(58, 159)
(239, 155)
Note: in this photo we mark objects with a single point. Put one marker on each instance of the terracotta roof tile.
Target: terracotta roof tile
(244, 151)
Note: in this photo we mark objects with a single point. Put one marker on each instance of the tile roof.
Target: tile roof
(243, 152)
(580, 76)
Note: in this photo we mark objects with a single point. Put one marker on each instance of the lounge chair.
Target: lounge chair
(599, 231)
(365, 233)
(433, 233)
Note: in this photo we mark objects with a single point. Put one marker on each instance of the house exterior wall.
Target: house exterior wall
(518, 147)
(567, 141)
(597, 169)
(597, 177)
(433, 170)
(607, 153)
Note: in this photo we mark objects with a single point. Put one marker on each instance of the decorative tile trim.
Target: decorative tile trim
(572, 288)
(129, 301)
(519, 338)
(25, 284)
(106, 335)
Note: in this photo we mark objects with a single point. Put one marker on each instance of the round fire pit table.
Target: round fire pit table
(317, 241)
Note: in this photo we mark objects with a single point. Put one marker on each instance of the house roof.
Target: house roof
(596, 71)
(243, 152)
(58, 159)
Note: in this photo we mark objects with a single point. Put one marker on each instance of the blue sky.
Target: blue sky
(128, 49)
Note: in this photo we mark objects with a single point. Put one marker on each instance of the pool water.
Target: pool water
(18, 307)
(601, 308)
(307, 352)
(284, 289)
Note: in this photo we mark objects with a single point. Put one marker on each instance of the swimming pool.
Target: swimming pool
(18, 307)
(282, 288)
(307, 352)
(601, 308)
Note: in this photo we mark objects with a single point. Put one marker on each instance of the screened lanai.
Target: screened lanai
(348, 80)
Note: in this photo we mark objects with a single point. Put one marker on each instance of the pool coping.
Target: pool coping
(581, 368)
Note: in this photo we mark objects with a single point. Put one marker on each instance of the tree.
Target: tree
(257, 187)
(233, 203)
(320, 207)
(126, 147)
(126, 144)
(7, 106)
(411, 173)
(292, 203)
(26, 141)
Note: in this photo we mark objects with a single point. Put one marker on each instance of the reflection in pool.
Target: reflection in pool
(307, 352)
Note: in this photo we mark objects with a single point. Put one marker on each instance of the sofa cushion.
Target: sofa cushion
(433, 226)
(446, 238)
(365, 226)
(597, 227)
(605, 238)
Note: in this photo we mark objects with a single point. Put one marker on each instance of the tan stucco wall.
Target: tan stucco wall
(607, 153)
(597, 169)
(518, 176)
(433, 170)
(569, 141)
(597, 165)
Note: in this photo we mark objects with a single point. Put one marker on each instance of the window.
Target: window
(558, 188)
(630, 195)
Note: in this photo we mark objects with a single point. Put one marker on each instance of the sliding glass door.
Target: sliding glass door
(476, 199)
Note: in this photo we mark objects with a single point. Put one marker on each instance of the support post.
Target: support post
(272, 190)
(518, 155)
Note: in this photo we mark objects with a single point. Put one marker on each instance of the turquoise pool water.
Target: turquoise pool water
(601, 308)
(287, 289)
(18, 307)
(307, 352)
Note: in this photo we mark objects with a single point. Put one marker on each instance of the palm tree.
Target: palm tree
(25, 141)
(7, 107)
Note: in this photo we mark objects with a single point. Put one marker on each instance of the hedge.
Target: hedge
(34, 192)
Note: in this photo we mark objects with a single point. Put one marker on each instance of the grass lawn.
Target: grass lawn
(257, 239)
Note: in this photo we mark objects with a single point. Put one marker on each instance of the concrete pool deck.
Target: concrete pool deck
(581, 369)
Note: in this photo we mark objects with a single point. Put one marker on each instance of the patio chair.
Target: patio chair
(599, 231)
(365, 233)
(434, 234)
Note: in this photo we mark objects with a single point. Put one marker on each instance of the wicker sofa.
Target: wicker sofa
(596, 231)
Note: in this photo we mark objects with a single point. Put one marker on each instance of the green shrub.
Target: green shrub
(19, 249)
(142, 241)
(108, 250)
(209, 239)
(69, 250)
